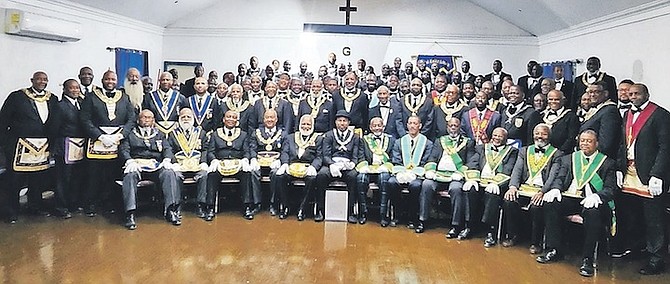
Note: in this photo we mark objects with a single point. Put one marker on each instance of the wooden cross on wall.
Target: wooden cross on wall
(348, 9)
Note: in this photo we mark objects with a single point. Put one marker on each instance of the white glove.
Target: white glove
(364, 170)
(116, 137)
(166, 164)
(619, 179)
(282, 169)
(107, 140)
(383, 169)
(204, 167)
(311, 171)
(335, 170)
(245, 165)
(213, 166)
(471, 185)
(655, 186)
(349, 165)
(253, 165)
(591, 201)
(401, 177)
(275, 164)
(430, 175)
(131, 166)
(554, 194)
(492, 188)
(456, 176)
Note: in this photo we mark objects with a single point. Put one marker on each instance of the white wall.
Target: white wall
(631, 44)
(20, 56)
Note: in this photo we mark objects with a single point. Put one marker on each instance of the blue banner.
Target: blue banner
(444, 62)
(568, 69)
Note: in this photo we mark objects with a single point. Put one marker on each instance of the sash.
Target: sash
(164, 109)
(411, 158)
(229, 167)
(166, 126)
(32, 155)
(494, 162)
(302, 145)
(188, 156)
(449, 113)
(478, 127)
(550, 122)
(593, 111)
(110, 103)
(633, 128)
(201, 113)
(380, 157)
(349, 100)
(584, 173)
(534, 164)
(96, 150)
(74, 150)
(269, 142)
(512, 116)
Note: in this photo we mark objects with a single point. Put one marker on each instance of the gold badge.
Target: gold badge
(268, 147)
(518, 122)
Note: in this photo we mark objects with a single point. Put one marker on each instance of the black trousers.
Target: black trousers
(308, 192)
(512, 214)
(256, 193)
(463, 203)
(382, 182)
(595, 221)
(412, 205)
(492, 204)
(214, 181)
(323, 178)
(37, 182)
(101, 188)
(641, 224)
(70, 183)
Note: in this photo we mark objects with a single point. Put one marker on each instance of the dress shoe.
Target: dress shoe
(301, 215)
(620, 253)
(362, 218)
(200, 211)
(248, 214)
(509, 242)
(90, 211)
(283, 213)
(64, 213)
(652, 269)
(453, 233)
(273, 210)
(384, 222)
(410, 225)
(535, 249)
(13, 219)
(393, 223)
(352, 219)
(210, 214)
(256, 209)
(464, 234)
(586, 269)
(419, 227)
(319, 216)
(550, 256)
(489, 241)
(130, 221)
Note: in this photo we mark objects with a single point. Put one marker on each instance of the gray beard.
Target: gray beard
(135, 93)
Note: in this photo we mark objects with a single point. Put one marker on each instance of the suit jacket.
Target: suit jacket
(607, 123)
(19, 118)
(580, 89)
(202, 146)
(521, 126)
(520, 173)
(323, 121)
(651, 147)
(396, 157)
(358, 111)
(260, 146)
(440, 117)
(564, 131)
(188, 88)
(466, 123)
(390, 126)
(567, 88)
(367, 152)
(208, 119)
(508, 162)
(67, 123)
(173, 114)
(527, 90)
(94, 115)
(607, 173)
(281, 106)
(246, 118)
(497, 87)
(425, 112)
(312, 155)
(330, 148)
(133, 146)
(242, 147)
(468, 155)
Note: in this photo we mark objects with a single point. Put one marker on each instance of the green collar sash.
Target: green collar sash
(494, 159)
(411, 157)
(536, 164)
(586, 172)
(452, 147)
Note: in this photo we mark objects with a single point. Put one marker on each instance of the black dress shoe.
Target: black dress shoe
(410, 225)
(453, 233)
(301, 215)
(130, 221)
(352, 219)
(586, 269)
(489, 241)
(362, 218)
(319, 216)
(652, 269)
(464, 234)
(283, 213)
(256, 209)
(248, 214)
(509, 242)
(90, 211)
(200, 211)
(384, 222)
(393, 223)
(273, 210)
(64, 213)
(210, 214)
(548, 257)
(13, 219)
(419, 227)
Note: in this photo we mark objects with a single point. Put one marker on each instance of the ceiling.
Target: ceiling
(536, 17)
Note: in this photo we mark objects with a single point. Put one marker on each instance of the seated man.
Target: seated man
(300, 157)
(142, 149)
(189, 144)
(590, 176)
(268, 139)
(230, 153)
(496, 161)
(451, 156)
(410, 154)
(533, 173)
(341, 148)
(375, 161)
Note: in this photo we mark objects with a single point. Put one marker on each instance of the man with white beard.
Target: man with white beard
(133, 88)
(189, 144)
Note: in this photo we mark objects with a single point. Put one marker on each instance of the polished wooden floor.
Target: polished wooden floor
(268, 250)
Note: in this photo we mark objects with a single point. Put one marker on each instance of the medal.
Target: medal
(268, 147)
(229, 143)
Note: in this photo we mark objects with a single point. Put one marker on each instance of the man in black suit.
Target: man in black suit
(563, 122)
(189, 145)
(479, 122)
(300, 158)
(352, 100)
(416, 103)
(531, 84)
(245, 119)
(229, 153)
(68, 150)
(148, 155)
(408, 73)
(467, 76)
(341, 153)
(533, 174)
(593, 75)
(270, 101)
(452, 154)
(388, 110)
(643, 177)
(107, 116)
(593, 184)
(519, 118)
(497, 76)
(564, 85)
(86, 81)
(496, 162)
(375, 162)
(165, 103)
(256, 92)
(188, 89)
(624, 104)
(604, 119)
(319, 107)
(25, 123)
(294, 96)
(269, 139)
(202, 105)
(452, 107)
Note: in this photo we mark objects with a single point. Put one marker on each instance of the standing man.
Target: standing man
(519, 118)
(188, 89)
(497, 76)
(624, 103)
(592, 76)
(563, 122)
(133, 88)
(165, 103)
(416, 103)
(332, 65)
(351, 100)
(319, 107)
(451, 107)
(604, 119)
(387, 110)
(564, 85)
(202, 105)
(270, 101)
(245, 113)
(467, 76)
(86, 81)
(480, 121)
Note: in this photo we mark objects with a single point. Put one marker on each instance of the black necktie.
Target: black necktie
(588, 159)
(230, 133)
(634, 109)
(270, 103)
(539, 150)
(76, 104)
(625, 106)
(86, 90)
(304, 138)
(199, 102)
(512, 109)
(553, 112)
(110, 94)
